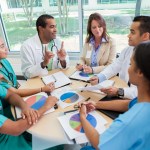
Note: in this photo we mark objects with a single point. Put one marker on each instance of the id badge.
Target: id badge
(88, 54)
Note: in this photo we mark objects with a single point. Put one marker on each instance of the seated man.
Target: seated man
(43, 52)
(139, 32)
(11, 132)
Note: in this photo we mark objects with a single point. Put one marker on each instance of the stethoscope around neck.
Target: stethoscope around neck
(44, 47)
(9, 74)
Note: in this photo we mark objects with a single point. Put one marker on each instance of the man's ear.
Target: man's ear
(140, 73)
(146, 36)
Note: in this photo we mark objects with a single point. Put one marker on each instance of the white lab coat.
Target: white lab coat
(32, 56)
(121, 65)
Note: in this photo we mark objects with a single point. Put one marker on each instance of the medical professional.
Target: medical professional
(139, 31)
(12, 133)
(131, 129)
(99, 49)
(10, 79)
(43, 52)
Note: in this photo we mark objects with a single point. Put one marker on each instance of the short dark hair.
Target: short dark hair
(144, 23)
(101, 21)
(41, 21)
(142, 58)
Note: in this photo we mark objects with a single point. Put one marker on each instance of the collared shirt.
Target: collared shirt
(95, 51)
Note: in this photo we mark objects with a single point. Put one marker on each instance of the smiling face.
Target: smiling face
(96, 29)
(48, 33)
(3, 49)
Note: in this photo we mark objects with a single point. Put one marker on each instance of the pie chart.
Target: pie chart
(69, 97)
(36, 101)
(76, 124)
(83, 74)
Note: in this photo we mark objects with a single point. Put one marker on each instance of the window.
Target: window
(18, 26)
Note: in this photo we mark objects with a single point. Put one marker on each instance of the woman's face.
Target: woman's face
(96, 29)
(133, 72)
(3, 49)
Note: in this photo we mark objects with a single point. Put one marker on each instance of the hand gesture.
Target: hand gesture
(47, 57)
(87, 69)
(111, 91)
(79, 67)
(49, 87)
(62, 53)
(31, 115)
(94, 80)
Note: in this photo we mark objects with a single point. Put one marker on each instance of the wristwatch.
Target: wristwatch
(120, 92)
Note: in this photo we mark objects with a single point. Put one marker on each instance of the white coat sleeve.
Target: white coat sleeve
(28, 65)
(130, 92)
(115, 67)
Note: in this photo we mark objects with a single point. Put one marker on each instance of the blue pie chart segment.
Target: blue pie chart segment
(76, 124)
(69, 97)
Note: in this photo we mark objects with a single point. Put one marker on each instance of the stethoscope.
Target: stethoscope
(53, 47)
(8, 74)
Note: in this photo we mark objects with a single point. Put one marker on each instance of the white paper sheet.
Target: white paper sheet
(59, 78)
(35, 98)
(66, 90)
(69, 118)
(76, 75)
(96, 88)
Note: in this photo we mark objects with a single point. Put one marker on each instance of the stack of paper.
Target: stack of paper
(73, 128)
(59, 78)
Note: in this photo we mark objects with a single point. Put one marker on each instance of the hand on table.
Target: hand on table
(111, 91)
(94, 80)
(49, 87)
(30, 114)
(87, 69)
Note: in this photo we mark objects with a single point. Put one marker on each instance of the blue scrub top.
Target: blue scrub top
(8, 73)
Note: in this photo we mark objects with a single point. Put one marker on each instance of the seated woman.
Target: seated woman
(12, 135)
(10, 78)
(125, 132)
(99, 49)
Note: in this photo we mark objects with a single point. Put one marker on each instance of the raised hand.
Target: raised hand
(62, 53)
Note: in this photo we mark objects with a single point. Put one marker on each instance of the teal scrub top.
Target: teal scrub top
(8, 73)
(8, 142)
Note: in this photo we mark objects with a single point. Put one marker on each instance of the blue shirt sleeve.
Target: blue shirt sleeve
(101, 77)
(2, 120)
(3, 92)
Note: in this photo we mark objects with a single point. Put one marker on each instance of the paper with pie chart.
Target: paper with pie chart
(35, 102)
(80, 75)
(66, 96)
(72, 125)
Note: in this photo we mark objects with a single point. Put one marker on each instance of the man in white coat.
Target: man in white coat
(43, 52)
(139, 32)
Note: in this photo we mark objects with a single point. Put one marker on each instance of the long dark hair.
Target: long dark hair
(101, 21)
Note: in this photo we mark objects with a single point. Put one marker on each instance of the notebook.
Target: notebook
(109, 113)
(59, 78)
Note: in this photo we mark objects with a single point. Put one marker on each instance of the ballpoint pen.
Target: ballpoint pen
(77, 107)
(84, 86)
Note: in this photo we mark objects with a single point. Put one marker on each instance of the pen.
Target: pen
(55, 106)
(77, 107)
(55, 80)
(84, 86)
(70, 111)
